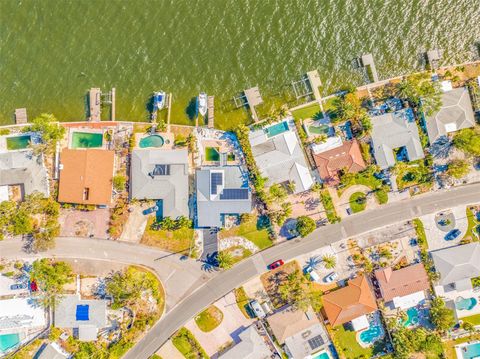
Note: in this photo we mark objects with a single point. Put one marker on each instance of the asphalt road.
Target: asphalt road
(354, 225)
(190, 288)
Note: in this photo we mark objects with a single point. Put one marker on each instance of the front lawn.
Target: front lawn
(472, 225)
(209, 319)
(186, 343)
(179, 241)
(328, 206)
(308, 112)
(358, 202)
(420, 230)
(242, 301)
(254, 229)
(473, 319)
(366, 178)
(415, 173)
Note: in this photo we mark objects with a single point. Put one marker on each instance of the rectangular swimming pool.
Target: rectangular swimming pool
(277, 129)
(18, 142)
(471, 351)
(86, 140)
(8, 341)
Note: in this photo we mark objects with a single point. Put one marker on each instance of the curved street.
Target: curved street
(190, 287)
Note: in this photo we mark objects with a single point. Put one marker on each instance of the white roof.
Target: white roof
(446, 85)
(329, 144)
(3, 193)
(360, 323)
(409, 301)
(21, 313)
(451, 127)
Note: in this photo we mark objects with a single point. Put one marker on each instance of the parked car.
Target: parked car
(257, 309)
(18, 286)
(276, 264)
(331, 277)
(314, 276)
(454, 233)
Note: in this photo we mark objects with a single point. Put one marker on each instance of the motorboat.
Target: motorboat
(159, 100)
(202, 103)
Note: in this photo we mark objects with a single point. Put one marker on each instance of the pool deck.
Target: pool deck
(450, 296)
(459, 348)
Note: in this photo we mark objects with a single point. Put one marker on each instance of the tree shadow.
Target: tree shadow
(191, 109)
(210, 263)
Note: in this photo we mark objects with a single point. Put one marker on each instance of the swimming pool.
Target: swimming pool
(412, 317)
(151, 141)
(86, 140)
(212, 154)
(471, 351)
(372, 334)
(18, 142)
(9, 341)
(465, 303)
(322, 355)
(277, 129)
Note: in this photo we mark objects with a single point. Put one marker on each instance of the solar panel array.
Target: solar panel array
(316, 342)
(234, 193)
(216, 179)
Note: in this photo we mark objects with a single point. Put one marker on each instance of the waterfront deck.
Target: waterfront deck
(210, 113)
(253, 98)
(315, 83)
(367, 61)
(21, 116)
(94, 104)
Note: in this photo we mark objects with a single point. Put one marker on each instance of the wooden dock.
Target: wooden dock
(315, 83)
(112, 109)
(434, 57)
(169, 110)
(210, 112)
(253, 99)
(95, 100)
(21, 116)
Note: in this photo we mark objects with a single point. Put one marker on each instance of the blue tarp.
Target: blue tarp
(82, 312)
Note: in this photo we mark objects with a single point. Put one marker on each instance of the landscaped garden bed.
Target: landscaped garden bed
(358, 202)
(186, 344)
(209, 319)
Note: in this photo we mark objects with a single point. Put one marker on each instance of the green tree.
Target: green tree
(468, 140)
(291, 186)
(442, 317)
(305, 225)
(51, 131)
(225, 260)
(458, 168)
(278, 192)
(329, 261)
(22, 223)
(422, 92)
(168, 224)
(51, 277)
(119, 182)
(297, 291)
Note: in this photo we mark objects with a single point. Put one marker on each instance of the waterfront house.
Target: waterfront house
(351, 304)
(457, 266)
(403, 288)
(455, 114)
(22, 173)
(251, 346)
(395, 134)
(300, 333)
(279, 155)
(84, 317)
(222, 194)
(86, 176)
(331, 161)
(161, 175)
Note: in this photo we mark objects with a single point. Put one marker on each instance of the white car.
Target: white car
(257, 309)
(331, 277)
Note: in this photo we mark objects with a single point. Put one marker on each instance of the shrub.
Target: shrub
(119, 182)
(305, 225)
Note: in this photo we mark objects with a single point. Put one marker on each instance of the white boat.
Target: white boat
(202, 103)
(159, 100)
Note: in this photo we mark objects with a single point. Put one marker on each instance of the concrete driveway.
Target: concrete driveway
(436, 235)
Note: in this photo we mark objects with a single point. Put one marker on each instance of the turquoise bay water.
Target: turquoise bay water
(52, 52)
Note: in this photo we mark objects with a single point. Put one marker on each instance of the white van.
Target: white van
(257, 309)
(314, 276)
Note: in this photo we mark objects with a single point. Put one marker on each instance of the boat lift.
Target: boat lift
(250, 97)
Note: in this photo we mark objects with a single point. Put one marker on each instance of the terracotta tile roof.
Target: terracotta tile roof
(348, 156)
(401, 282)
(86, 176)
(350, 302)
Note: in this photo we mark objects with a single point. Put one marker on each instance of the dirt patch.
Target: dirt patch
(272, 280)
(76, 223)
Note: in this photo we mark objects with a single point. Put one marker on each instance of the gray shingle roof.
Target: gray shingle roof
(456, 113)
(210, 207)
(281, 159)
(66, 309)
(393, 130)
(252, 346)
(457, 263)
(172, 188)
(22, 167)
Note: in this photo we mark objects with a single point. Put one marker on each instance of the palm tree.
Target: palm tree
(225, 260)
(329, 261)
(291, 186)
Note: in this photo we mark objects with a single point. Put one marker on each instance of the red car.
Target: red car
(275, 264)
